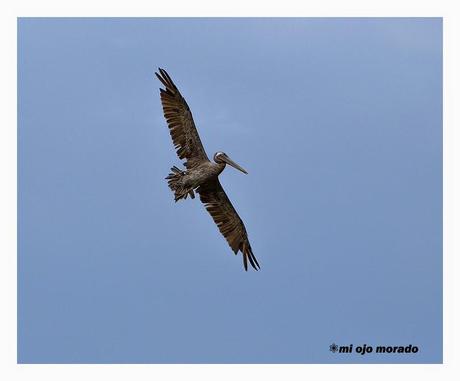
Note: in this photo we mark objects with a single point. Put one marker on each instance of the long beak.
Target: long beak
(233, 164)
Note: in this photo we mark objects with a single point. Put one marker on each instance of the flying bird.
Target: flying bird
(201, 174)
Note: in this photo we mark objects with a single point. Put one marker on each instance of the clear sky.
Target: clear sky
(339, 124)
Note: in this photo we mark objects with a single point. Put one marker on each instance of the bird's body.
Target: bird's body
(201, 174)
(183, 183)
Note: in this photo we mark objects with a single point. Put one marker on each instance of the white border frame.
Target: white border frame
(9, 370)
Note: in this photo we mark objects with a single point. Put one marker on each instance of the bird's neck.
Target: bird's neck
(220, 167)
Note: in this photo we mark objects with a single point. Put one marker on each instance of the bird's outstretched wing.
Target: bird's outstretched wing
(213, 196)
(180, 122)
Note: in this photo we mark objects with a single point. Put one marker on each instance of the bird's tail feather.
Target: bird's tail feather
(176, 184)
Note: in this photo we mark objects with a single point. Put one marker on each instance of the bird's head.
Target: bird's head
(222, 158)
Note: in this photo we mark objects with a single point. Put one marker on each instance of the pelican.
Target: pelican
(201, 175)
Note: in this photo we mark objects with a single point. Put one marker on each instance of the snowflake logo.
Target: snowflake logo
(333, 347)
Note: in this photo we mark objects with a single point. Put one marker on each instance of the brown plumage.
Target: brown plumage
(180, 122)
(201, 175)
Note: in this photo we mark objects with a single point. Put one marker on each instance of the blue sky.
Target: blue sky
(339, 124)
